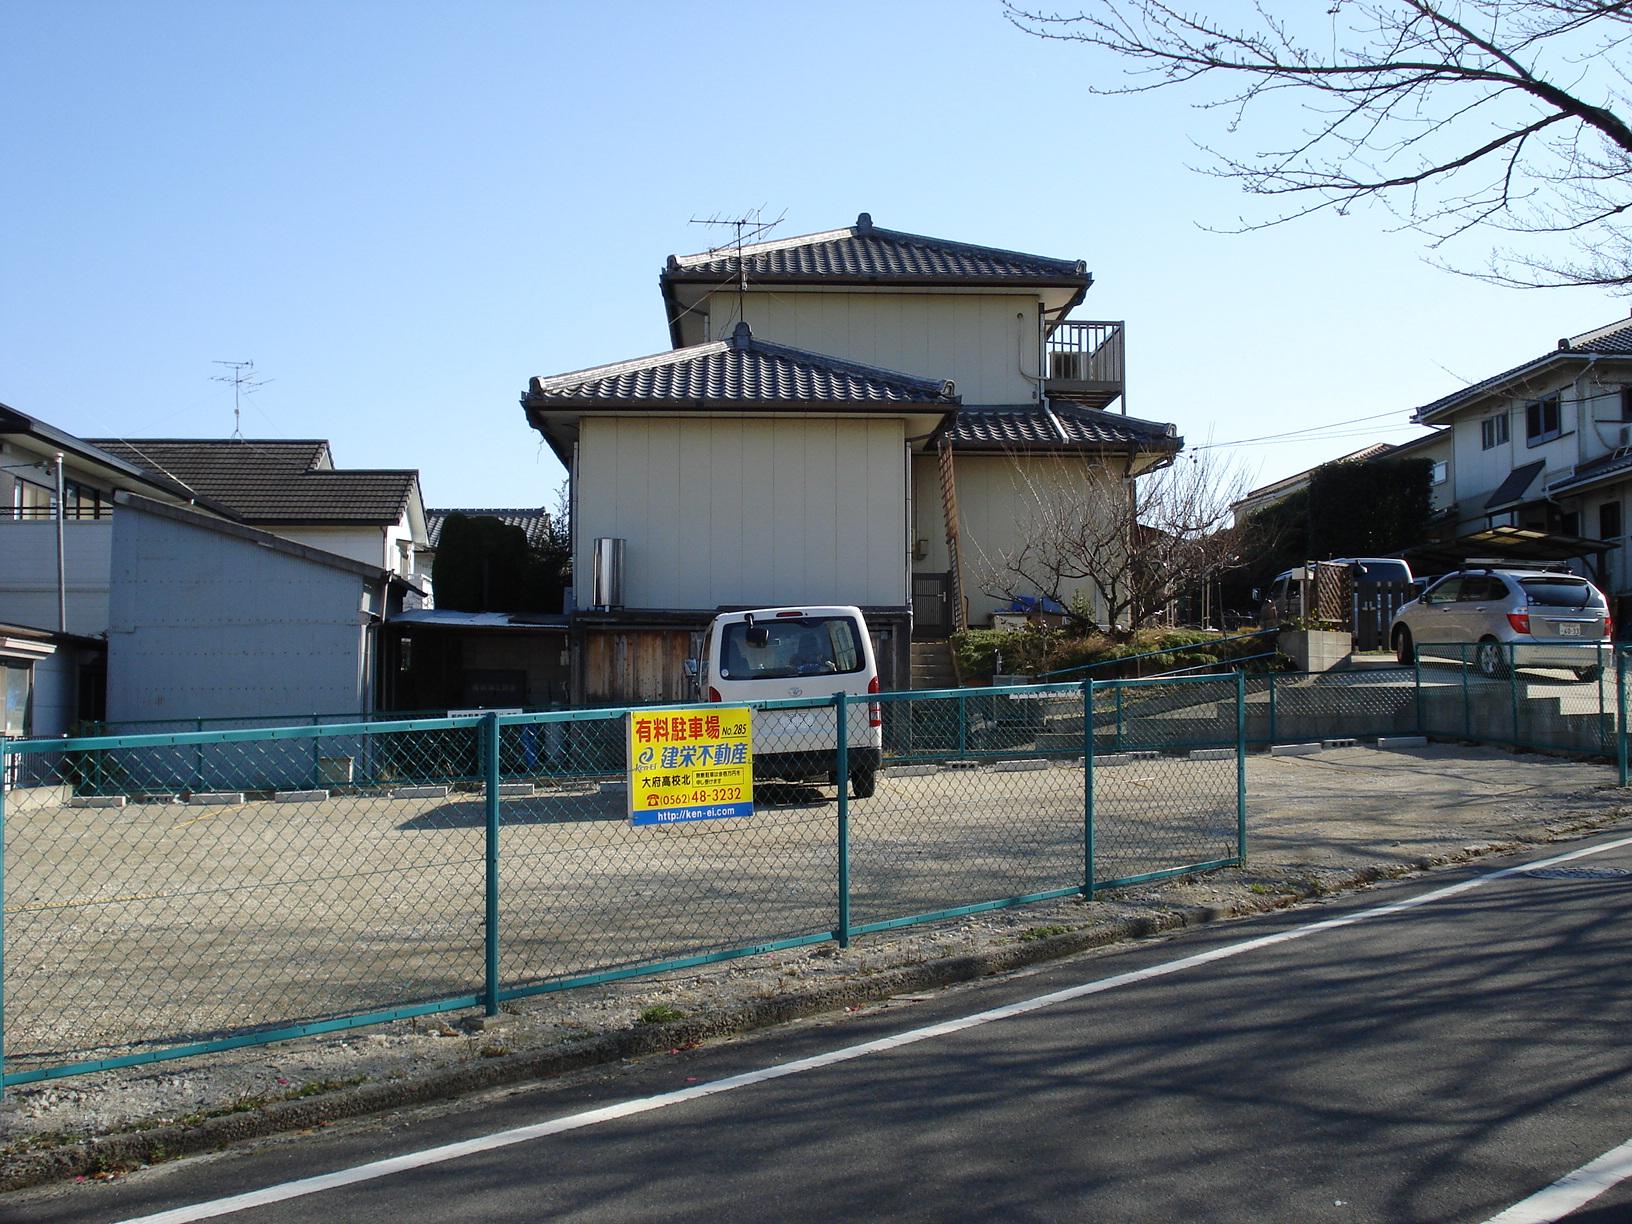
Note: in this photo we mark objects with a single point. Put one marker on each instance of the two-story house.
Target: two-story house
(1542, 457)
(845, 417)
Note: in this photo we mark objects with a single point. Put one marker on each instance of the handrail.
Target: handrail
(1151, 654)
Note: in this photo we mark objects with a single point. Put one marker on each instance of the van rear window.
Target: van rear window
(1560, 593)
(808, 646)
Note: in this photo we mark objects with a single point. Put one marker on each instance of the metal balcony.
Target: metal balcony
(1085, 363)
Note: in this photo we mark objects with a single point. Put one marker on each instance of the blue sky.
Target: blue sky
(402, 211)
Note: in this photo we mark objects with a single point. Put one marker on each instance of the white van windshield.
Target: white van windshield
(802, 646)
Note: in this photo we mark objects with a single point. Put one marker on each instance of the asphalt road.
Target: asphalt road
(1437, 1060)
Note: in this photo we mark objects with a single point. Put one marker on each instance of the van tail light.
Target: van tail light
(1609, 625)
(714, 694)
(875, 710)
(1520, 621)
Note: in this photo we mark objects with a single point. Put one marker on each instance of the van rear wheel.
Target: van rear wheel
(863, 782)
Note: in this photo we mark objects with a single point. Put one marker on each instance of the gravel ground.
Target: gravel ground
(1316, 823)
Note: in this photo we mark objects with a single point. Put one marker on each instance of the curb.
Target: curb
(131, 1149)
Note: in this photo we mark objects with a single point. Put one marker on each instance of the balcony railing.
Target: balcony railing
(1085, 363)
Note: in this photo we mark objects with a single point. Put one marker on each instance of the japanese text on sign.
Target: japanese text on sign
(690, 765)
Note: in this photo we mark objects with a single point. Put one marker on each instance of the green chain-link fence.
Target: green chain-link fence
(172, 894)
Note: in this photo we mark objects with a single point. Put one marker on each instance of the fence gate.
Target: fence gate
(1375, 606)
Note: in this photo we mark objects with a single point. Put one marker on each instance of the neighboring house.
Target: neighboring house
(1435, 446)
(1542, 464)
(293, 489)
(846, 417)
(197, 617)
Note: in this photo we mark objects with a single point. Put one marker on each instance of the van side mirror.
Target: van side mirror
(691, 669)
(757, 635)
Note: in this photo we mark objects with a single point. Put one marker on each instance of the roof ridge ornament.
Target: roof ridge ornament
(864, 223)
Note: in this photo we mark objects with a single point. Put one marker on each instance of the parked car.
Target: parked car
(1552, 614)
(1282, 600)
(772, 654)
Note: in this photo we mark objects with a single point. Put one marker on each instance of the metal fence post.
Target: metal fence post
(1118, 717)
(1620, 714)
(3, 916)
(841, 727)
(1513, 688)
(1416, 680)
(1467, 708)
(490, 763)
(1088, 785)
(1241, 765)
(1598, 680)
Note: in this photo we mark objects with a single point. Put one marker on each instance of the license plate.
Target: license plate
(1566, 629)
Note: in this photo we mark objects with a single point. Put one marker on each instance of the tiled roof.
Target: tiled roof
(737, 372)
(535, 522)
(865, 253)
(1612, 339)
(1057, 426)
(273, 480)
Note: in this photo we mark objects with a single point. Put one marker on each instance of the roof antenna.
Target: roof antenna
(749, 226)
(242, 384)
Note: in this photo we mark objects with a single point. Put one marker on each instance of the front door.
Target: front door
(931, 605)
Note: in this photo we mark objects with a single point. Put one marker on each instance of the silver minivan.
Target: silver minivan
(1551, 616)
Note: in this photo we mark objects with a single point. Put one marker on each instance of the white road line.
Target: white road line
(627, 1109)
(1572, 1190)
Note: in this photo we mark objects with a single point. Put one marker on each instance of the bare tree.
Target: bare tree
(1457, 115)
(1114, 551)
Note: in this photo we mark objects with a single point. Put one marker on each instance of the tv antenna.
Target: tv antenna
(749, 226)
(243, 383)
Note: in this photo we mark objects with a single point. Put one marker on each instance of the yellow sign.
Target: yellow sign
(690, 764)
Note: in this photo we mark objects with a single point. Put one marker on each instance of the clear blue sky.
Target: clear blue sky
(402, 211)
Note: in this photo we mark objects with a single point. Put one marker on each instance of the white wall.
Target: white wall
(974, 339)
(206, 624)
(365, 544)
(791, 510)
(28, 573)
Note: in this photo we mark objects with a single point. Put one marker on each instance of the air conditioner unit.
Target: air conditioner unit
(1068, 366)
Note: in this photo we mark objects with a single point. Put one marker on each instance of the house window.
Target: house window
(1493, 431)
(1569, 523)
(1441, 472)
(1609, 521)
(1541, 420)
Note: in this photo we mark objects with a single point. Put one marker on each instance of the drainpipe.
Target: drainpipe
(62, 570)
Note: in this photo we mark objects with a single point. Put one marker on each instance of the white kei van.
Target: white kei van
(771, 654)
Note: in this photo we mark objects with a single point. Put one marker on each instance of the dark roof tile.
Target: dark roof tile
(866, 253)
(1057, 426)
(737, 372)
(535, 522)
(273, 480)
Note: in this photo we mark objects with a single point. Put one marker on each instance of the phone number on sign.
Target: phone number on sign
(718, 794)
